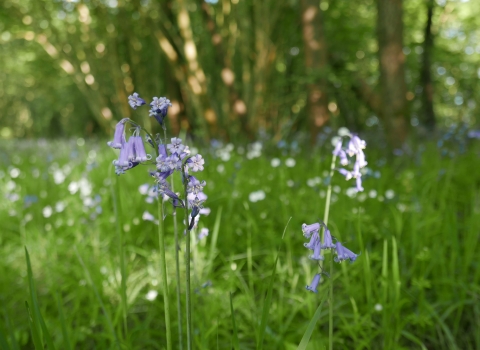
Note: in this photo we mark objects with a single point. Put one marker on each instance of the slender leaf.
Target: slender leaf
(99, 299)
(235, 342)
(34, 317)
(311, 326)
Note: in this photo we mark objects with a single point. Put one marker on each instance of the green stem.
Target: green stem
(123, 272)
(325, 220)
(163, 272)
(177, 275)
(187, 274)
(330, 307)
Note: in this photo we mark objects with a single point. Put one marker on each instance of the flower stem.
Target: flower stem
(325, 220)
(121, 253)
(177, 275)
(187, 273)
(163, 272)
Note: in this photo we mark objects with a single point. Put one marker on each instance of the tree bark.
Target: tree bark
(315, 49)
(392, 70)
(428, 117)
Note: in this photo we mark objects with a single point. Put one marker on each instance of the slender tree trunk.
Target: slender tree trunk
(428, 116)
(316, 64)
(392, 71)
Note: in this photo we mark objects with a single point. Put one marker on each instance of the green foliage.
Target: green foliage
(66, 68)
(415, 284)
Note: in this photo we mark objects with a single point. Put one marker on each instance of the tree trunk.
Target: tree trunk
(316, 63)
(392, 71)
(428, 117)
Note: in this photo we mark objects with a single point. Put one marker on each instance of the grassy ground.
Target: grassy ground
(416, 284)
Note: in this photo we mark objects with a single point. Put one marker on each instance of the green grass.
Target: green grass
(414, 286)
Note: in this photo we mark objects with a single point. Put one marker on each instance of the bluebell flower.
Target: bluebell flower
(317, 251)
(159, 108)
(313, 286)
(162, 164)
(161, 175)
(359, 184)
(119, 136)
(135, 101)
(327, 240)
(131, 149)
(140, 153)
(176, 147)
(163, 188)
(162, 150)
(196, 163)
(194, 185)
(309, 229)
(313, 241)
(348, 175)
(125, 151)
(343, 158)
(355, 145)
(174, 162)
(195, 202)
(360, 159)
(344, 254)
(338, 148)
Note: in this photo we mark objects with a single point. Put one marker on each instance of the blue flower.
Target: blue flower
(125, 152)
(176, 147)
(119, 136)
(194, 185)
(317, 251)
(344, 254)
(135, 101)
(196, 163)
(313, 241)
(159, 108)
(140, 154)
(313, 286)
(327, 240)
(309, 229)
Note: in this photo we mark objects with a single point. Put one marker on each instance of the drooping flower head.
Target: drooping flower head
(135, 101)
(119, 136)
(313, 286)
(309, 229)
(327, 240)
(344, 254)
(355, 147)
(159, 108)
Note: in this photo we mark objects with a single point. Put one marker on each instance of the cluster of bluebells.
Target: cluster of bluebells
(312, 232)
(176, 157)
(173, 156)
(354, 148)
(132, 152)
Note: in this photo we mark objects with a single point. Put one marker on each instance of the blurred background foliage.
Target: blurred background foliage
(234, 69)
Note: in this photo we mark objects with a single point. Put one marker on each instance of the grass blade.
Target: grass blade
(213, 244)
(311, 326)
(268, 299)
(99, 299)
(66, 337)
(34, 316)
(235, 342)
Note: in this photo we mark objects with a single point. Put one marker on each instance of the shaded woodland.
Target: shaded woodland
(236, 69)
